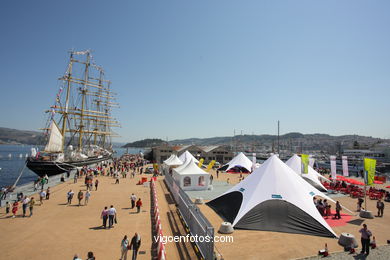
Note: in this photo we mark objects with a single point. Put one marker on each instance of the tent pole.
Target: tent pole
(365, 195)
(278, 138)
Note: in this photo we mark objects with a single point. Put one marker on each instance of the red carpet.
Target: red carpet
(338, 222)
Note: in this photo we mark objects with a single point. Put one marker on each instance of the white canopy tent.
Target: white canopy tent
(191, 177)
(311, 177)
(240, 160)
(273, 198)
(187, 156)
(171, 162)
(170, 158)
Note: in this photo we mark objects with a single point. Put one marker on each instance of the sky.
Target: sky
(206, 68)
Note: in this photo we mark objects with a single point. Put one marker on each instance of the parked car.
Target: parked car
(149, 170)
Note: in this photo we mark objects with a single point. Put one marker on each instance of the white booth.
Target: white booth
(191, 177)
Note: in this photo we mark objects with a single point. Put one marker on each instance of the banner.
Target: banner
(333, 166)
(305, 163)
(311, 161)
(345, 166)
(253, 161)
(200, 162)
(369, 169)
(211, 164)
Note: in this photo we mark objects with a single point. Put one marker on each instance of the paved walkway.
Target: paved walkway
(58, 231)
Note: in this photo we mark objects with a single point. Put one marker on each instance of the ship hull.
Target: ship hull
(41, 168)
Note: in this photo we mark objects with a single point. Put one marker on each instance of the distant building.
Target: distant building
(220, 153)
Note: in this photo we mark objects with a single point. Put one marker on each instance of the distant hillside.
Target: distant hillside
(145, 143)
(291, 141)
(13, 136)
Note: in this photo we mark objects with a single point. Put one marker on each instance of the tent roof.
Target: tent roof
(295, 163)
(187, 155)
(170, 158)
(190, 169)
(240, 160)
(174, 161)
(276, 183)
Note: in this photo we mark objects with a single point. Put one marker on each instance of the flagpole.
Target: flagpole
(365, 184)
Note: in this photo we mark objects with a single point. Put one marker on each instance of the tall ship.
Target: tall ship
(78, 128)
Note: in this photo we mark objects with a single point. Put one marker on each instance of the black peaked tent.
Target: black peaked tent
(273, 198)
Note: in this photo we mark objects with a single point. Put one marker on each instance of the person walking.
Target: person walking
(133, 200)
(365, 239)
(43, 181)
(69, 196)
(96, 184)
(139, 205)
(124, 248)
(7, 207)
(25, 202)
(380, 206)
(111, 216)
(338, 209)
(116, 178)
(75, 177)
(31, 205)
(87, 196)
(42, 196)
(135, 245)
(15, 206)
(80, 197)
(48, 193)
(104, 216)
(90, 256)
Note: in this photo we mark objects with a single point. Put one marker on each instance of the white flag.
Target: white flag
(311, 161)
(253, 161)
(333, 166)
(345, 166)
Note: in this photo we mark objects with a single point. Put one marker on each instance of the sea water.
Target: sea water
(13, 159)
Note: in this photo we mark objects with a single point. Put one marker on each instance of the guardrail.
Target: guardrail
(197, 223)
(160, 248)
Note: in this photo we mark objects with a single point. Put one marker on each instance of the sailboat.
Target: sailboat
(78, 129)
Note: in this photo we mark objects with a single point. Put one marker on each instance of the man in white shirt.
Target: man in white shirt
(42, 196)
(69, 196)
(25, 202)
(111, 216)
(133, 200)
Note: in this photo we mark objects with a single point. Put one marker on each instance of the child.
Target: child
(7, 207)
(15, 208)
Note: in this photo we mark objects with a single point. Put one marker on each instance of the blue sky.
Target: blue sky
(204, 68)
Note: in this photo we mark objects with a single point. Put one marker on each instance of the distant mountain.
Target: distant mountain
(291, 141)
(145, 143)
(14, 136)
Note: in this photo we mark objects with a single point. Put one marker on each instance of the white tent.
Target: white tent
(191, 177)
(173, 161)
(170, 158)
(273, 198)
(187, 156)
(311, 177)
(239, 160)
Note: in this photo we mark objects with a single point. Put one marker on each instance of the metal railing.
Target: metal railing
(196, 222)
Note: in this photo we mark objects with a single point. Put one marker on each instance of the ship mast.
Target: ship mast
(65, 115)
(98, 101)
(83, 93)
(87, 103)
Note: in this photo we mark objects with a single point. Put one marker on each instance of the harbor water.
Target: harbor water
(13, 158)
